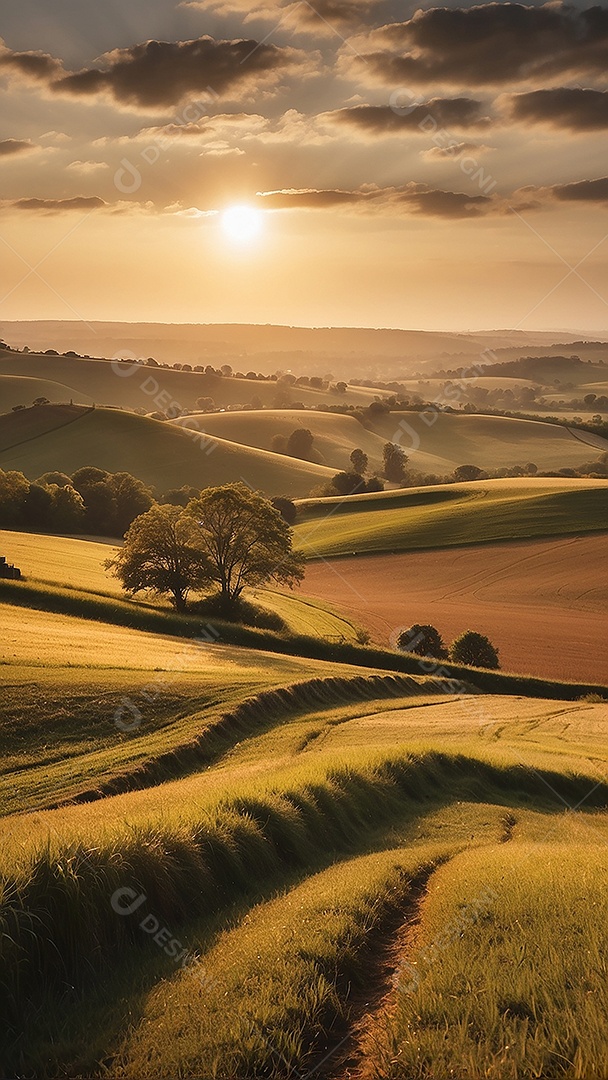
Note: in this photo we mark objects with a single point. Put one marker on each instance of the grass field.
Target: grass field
(335, 436)
(434, 442)
(327, 880)
(157, 453)
(21, 390)
(458, 514)
(438, 442)
(76, 566)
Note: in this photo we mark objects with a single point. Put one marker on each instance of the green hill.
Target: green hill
(138, 386)
(55, 437)
(438, 442)
(449, 515)
(435, 442)
(22, 390)
(335, 435)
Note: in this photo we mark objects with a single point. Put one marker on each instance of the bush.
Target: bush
(475, 650)
(287, 509)
(422, 640)
(243, 611)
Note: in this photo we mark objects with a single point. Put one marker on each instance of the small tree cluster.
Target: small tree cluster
(91, 500)
(299, 444)
(470, 648)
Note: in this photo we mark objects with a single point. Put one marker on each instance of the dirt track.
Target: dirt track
(544, 603)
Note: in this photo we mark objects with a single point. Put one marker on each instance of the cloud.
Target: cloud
(563, 107)
(453, 150)
(490, 44)
(32, 66)
(311, 198)
(583, 191)
(55, 206)
(87, 167)
(9, 147)
(382, 120)
(413, 198)
(322, 17)
(157, 74)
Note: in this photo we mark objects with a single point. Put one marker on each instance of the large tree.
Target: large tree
(162, 554)
(245, 540)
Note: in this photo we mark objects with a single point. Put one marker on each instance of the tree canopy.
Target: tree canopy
(161, 553)
(245, 540)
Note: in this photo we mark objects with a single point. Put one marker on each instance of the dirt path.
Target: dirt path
(387, 946)
(542, 602)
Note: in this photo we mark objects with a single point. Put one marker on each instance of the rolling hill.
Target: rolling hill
(335, 436)
(103, 382)
(438, 442)
(55, 437)
(435, 442)
(23, 390)
(451, 515)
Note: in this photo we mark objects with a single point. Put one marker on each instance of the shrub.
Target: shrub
(422, 640)
(475, 650)
(287, 509)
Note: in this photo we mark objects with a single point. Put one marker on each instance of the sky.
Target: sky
(342, 162)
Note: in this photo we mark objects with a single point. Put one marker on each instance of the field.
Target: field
(322, 882)
(157, 453)
(273, 852)
(542, 602)
(76, 567)
(434, 442)
(96, 381)
(447, 516)
(335, 436)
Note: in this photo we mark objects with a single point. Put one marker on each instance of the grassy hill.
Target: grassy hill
(335, 436)
(76, 567)
(439, 442)
(22, 390)
(444, 516)
(434, 442)
(134, 387)
(57, 437)
(330, 817)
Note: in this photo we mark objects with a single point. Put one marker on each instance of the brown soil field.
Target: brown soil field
(543, 603)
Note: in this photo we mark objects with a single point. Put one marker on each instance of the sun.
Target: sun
(242, 224)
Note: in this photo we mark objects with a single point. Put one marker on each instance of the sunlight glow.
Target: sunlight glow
(242, 224)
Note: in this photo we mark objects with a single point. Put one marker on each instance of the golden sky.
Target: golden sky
(348, 162)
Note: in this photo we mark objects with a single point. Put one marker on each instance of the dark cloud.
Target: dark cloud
(53, 206)
(446, 204)
(491, 44)
(8, 147)
(412, 198)
(439, 112)
(563, 107)
(160, 73)
(29, 65)
(583, 191)
(319, 16)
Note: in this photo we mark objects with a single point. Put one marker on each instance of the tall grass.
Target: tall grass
(58, 928)
(519, 992)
